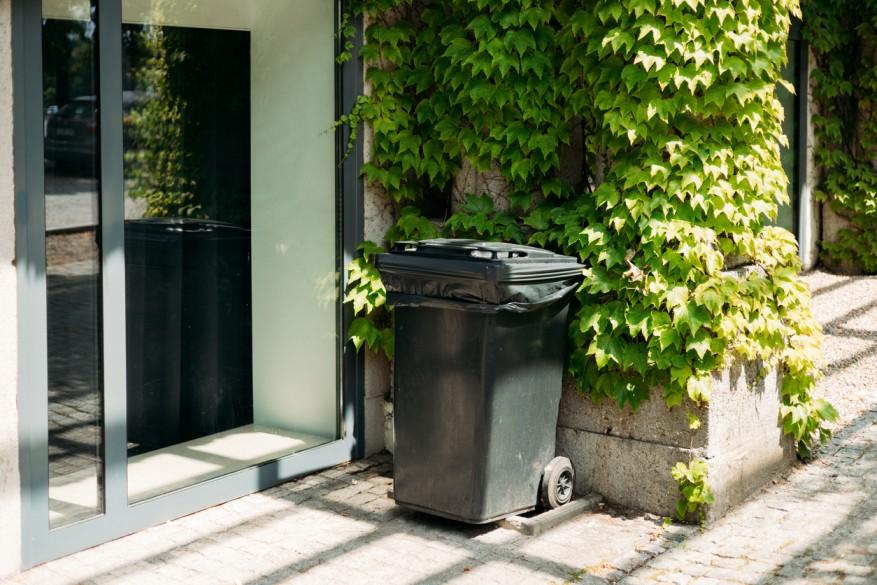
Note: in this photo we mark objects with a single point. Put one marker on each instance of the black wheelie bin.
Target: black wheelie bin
(481, 331)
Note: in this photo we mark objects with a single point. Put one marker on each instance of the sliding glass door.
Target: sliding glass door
(229, 245)
(193, 221)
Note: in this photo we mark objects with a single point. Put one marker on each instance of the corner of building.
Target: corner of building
(10, 485)
(377, 367)
(378, 217)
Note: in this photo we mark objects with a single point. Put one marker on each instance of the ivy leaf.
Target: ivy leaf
(640, 7)
(825, 409)
(677, 297)
(521, 200)
(638, 322)
(483, 28)
(709, 298)
(633, 75)
(699, 388)
(700, 344)
(369, 250)
(669, 338)
(521, 40)
(691, 316)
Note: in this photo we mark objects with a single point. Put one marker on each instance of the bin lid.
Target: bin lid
(478, 271)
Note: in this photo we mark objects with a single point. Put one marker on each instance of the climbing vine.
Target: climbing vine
(673, 106)
(843, 38)
(695, 493)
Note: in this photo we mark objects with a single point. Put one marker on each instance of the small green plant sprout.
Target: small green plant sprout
(694, 490)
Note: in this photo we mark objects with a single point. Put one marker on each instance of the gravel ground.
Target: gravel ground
(847, 308)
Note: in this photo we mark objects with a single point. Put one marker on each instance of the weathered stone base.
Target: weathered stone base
(377, 388)
(626, 457)
(832, 224)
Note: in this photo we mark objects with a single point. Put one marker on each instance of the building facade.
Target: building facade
(175, 216)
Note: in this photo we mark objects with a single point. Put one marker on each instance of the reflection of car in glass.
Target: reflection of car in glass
(71, 131)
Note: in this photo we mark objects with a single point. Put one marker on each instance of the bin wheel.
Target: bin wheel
(557, 482)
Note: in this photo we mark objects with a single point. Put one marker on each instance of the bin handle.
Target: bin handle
(409, 300)
(475, 251)
(181, 230)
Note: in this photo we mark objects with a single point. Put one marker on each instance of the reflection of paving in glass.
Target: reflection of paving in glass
(70, 202)
(75, 413)
(75, 409)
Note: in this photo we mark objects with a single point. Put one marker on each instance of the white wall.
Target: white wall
(293, 216)
(10, 504)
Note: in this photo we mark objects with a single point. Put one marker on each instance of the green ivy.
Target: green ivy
(684, 97)
(366, 293)
(477, 219)
(842, 35)
(694, 491)
(676, 105)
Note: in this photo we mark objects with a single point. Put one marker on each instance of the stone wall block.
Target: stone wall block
(626, 456)
(377, 374)
(374, 425)
(628, 472)
(746, 445)
(832, 224)
(470, 180)
(378, 210)
(652, 422)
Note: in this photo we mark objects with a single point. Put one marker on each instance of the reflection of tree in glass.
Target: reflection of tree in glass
(67, 61)
(157, 163)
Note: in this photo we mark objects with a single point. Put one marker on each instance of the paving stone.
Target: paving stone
(815, 524)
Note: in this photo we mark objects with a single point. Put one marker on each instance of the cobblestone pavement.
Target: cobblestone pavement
(818, 524)
(74, 398)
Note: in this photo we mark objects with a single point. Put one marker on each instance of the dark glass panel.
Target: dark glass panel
(791, 128)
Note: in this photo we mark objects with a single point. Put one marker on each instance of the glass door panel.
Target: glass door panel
(73, 261)
(230, 236)
(185, 265)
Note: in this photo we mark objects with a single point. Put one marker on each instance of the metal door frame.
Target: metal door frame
(39, 544)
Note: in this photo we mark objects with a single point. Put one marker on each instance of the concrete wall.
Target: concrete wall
(378, 215)
(10, 502)
(626, 456)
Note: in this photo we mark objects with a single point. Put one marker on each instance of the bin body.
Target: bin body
(477, 382)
